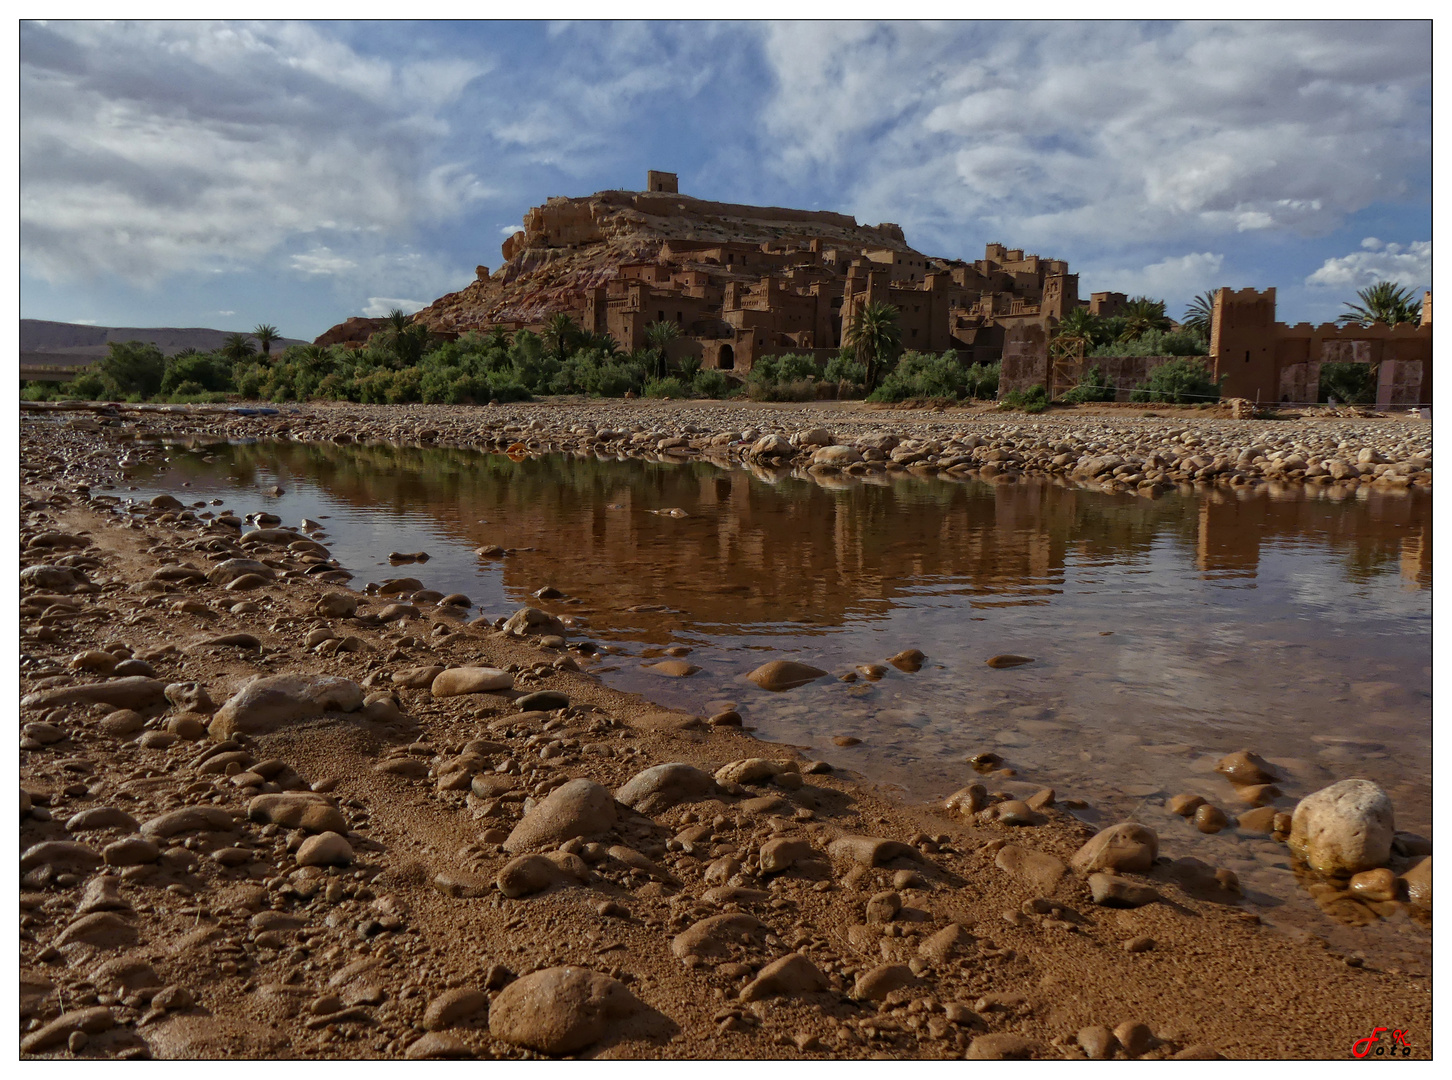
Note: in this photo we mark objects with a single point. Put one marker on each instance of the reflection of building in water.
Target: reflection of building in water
(1416, 562)
(1227, 541)
(775, 548)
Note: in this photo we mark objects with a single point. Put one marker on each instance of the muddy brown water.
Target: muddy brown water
(1165, 633)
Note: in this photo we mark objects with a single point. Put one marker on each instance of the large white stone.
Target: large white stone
(1343, 829)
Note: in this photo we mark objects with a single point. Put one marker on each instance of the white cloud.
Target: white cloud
(322, 260)
(379, 306)
(155, 148)
(509, 230)
(1175, 276)
(1107, 132)
(1408, 265)
(226, 313)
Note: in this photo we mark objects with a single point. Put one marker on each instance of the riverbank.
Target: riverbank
(764, 906)
(1102, 449)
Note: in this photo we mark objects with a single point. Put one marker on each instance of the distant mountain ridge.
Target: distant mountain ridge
(46, 342)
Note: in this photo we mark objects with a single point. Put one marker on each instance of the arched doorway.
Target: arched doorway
(726, 358)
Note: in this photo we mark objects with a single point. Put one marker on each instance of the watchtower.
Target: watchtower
(664, 182)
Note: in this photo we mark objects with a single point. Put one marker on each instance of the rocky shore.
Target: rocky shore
(1108, 450)
(266, 815)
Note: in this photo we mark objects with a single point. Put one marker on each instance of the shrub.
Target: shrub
(982, 380)
(89, 385)
(921, 375)
(790, 377)
(1093, 385)
(670, 387)
(203, 369)
(845, 367)
(712, 384)
(1350, 384)
(1156, 343)
(248, 380)
(1181, 381)
(134, 367)
(1033, 400)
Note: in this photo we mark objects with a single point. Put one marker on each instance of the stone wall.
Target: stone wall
(1025, 359)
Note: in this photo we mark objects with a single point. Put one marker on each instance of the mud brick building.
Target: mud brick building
(741, 282)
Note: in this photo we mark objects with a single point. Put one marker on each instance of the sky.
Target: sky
(229, 174)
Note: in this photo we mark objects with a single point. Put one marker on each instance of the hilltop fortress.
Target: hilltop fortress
(748, 281)
(742, 282)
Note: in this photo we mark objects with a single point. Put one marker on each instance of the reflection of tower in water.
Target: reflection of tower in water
(1416, 560)
(1227, 542)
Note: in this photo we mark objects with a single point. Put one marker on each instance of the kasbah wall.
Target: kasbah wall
(1260, 359)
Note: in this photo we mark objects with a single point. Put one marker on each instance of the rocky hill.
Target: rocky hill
(44, 342)
(570, 245)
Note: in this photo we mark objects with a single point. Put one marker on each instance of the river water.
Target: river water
(1165, 633)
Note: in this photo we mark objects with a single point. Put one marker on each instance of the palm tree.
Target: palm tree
(1200, 315)
(1384, 302)
(1141, 315)
(265, 336)
(562, 334)
(497, 338)
(660, 334)
(876, 337)
(1079, 324)
(604, 344)
(406, 337)
(237, 347)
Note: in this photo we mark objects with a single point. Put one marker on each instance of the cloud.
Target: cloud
(226, 313)
(1408, 265)
(1174, 276)
(150, 149)
(1107, 133)
(509, 230)
(379, 306)
(321, 260)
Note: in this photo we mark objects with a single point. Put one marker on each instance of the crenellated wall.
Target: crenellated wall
(1264, 360)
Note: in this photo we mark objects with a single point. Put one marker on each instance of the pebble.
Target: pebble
(1244, 767)
(1008, 660)
(792, 974)
(560, 1010)
(784, 675)
(674, 669)
(297, 810)
(454, 682)
(135, 692)
(325, 849)
(1135, 1037)
(660, 787)
(132, 851)
(437, 1045)
(1109, 890)
(453, 1006)
(91, 1021)
(576, 808)
(1003, 1046)
(1097, 1042)
(1378, 885)
(783, 853)
(1210, 819)
(1126, 846)
(715, 935)
(1185, 805)
(1038, 869)
(269, 703)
